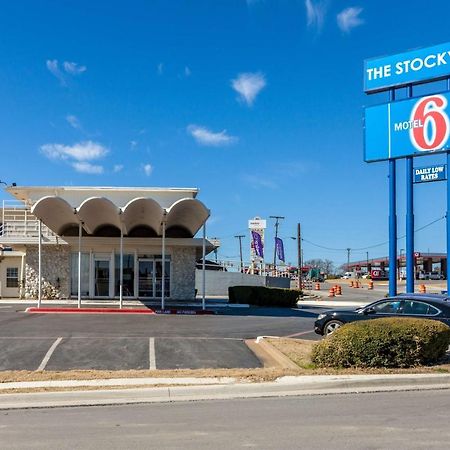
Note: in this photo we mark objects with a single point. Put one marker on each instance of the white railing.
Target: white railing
(17, 222)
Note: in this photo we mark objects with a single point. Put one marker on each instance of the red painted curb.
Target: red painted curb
(186, 312)
(35, 310)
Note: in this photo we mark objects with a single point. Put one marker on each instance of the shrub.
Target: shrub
(387, 342)
(263, 296)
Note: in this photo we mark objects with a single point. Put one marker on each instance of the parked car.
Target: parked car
(428, 306)
(435, 276)
(347, 275)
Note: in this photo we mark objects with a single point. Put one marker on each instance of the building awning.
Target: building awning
(183, 218)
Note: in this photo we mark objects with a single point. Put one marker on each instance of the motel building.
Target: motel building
(101, 243)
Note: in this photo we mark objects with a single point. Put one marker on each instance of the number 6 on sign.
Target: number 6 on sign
(431, 123)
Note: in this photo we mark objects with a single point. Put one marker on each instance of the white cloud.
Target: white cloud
(148, 169)
(73, 121)
(81, 151)
(203, 136)
(53, 67)
(160, 68)
(117, 168)
(315, 14)
(187, 71)
(248, 86)
(86, 167)
(133, 144)
(349, 19)
(73, 68)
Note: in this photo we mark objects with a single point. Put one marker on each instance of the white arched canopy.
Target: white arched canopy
(55, 213)
(96, 212)
(187, 213)
(142, 212)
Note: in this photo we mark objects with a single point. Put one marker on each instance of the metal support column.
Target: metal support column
(410, 263)
(448, 224)
(203, 266)
(392, 220)
(410, 275)
(163, 269)
(299, 255)
(40, 264)
(448, 212)
(80, 232)
(121, 270)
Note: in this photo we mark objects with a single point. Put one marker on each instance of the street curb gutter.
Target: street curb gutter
(283, 387)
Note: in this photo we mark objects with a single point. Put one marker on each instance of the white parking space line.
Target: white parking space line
(151, 353)
(49, 354)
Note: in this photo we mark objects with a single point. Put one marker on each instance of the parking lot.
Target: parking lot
(121, 342)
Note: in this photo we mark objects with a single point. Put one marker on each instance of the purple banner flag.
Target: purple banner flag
(258, 244)
(280, 248)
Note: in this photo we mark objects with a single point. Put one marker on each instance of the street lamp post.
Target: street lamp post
(277, 223)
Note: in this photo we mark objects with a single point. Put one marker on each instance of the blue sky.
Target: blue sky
(258, 103)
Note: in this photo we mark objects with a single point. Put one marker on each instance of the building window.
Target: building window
(12, 277)
(128, 275)
(84, 274)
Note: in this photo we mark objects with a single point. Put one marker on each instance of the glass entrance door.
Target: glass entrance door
(101, 277)
(146, 278)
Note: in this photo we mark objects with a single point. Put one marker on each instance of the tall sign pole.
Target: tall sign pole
(277, 223)
(410, 272)
(448, 212)
(392, 219)
(299, 255)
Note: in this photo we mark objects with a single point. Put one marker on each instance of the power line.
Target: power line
(371, 246)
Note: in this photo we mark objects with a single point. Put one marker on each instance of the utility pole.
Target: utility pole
(367, 261)
(277, 223)
(348, 259)
(299, 255)
(240, 236)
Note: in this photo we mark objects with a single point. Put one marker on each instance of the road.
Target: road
(403, 420)
(113, 342)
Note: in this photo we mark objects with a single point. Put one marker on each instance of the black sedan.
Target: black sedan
(431, 306)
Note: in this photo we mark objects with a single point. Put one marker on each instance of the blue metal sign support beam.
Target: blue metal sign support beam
(392, 220)
(410, 267)
(448, 214)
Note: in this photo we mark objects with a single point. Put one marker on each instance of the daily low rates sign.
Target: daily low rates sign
(407, 128)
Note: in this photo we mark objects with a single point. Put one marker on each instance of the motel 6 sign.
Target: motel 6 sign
(410, 127)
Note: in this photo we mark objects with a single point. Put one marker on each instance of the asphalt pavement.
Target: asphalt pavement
(113, 342)
(394, 420)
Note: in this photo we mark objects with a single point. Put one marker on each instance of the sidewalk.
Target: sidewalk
(221, 389)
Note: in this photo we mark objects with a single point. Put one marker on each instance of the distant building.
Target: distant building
(423, 262)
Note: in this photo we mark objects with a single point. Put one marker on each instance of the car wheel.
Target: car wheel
(332, 326)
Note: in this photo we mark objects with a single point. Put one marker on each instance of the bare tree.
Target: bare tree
(324, 265)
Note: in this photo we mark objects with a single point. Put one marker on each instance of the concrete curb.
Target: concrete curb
(269, 355)
(148, 311)
(283, 387)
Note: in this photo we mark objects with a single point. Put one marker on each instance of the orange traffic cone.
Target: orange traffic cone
(317, 286)
(331, 292)
(370, 285)
(351, 284)
(338, 290)
(422, 289)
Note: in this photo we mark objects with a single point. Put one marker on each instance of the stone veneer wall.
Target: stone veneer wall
(55, 271)
(183, 273)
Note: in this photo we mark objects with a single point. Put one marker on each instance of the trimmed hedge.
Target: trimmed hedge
(387, 342)
(263, 296)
